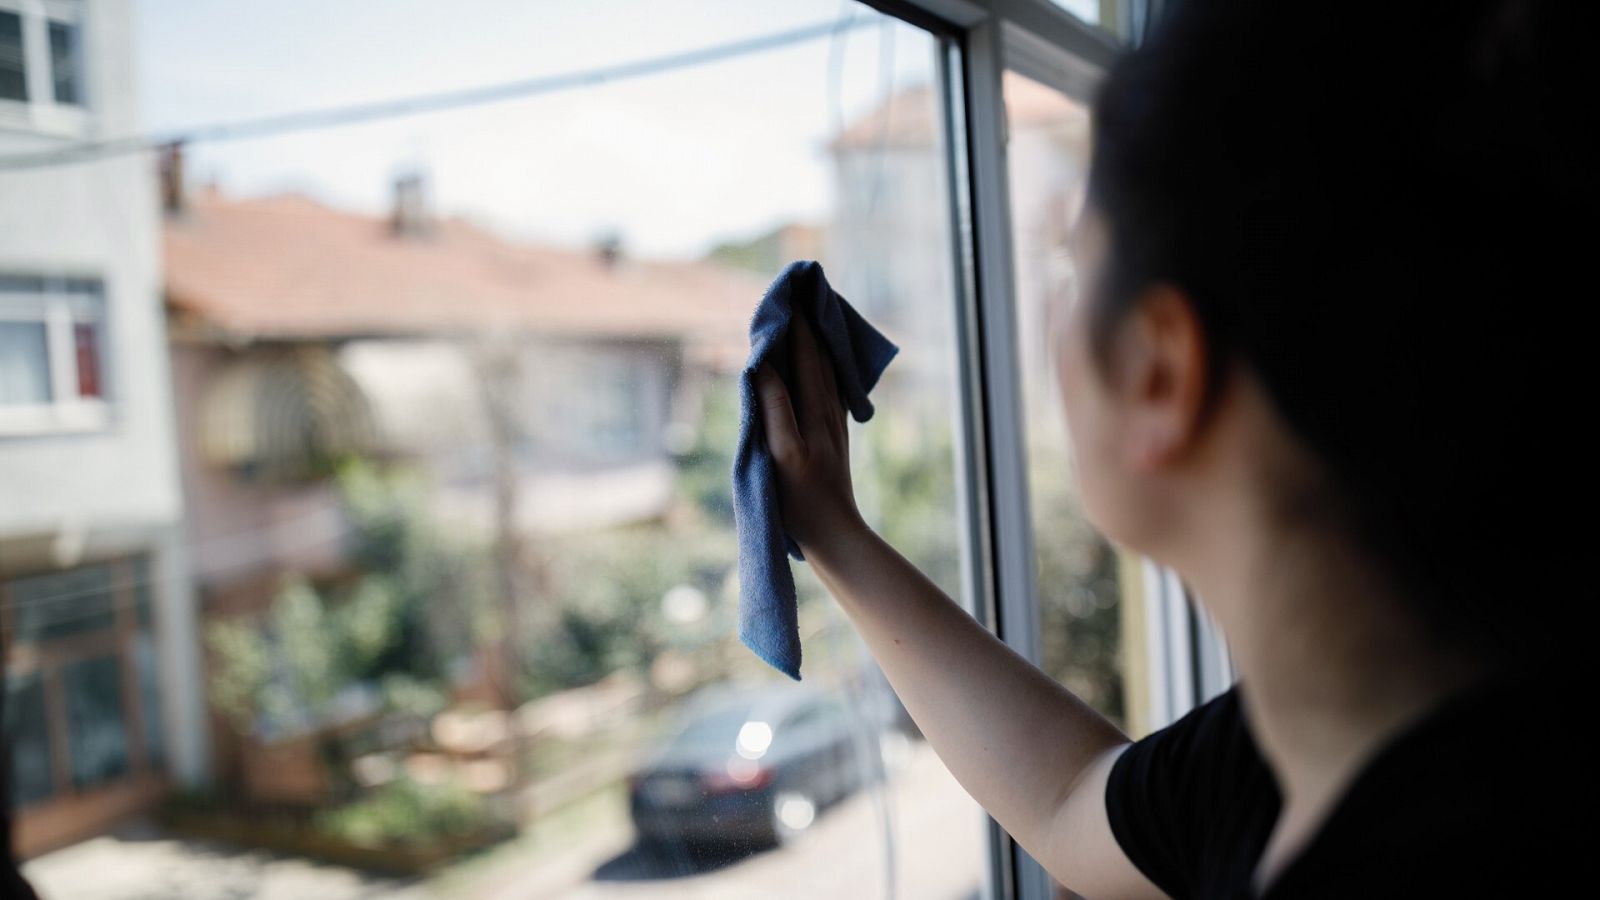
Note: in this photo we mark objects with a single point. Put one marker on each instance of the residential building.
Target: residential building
(301, 335)
(102, 702)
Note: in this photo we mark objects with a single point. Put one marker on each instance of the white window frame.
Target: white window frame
(59, 311)
(41, 113)
(980, 40)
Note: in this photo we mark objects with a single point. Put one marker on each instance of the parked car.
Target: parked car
(752, 765)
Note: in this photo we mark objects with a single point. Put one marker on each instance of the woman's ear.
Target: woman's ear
(1161, 370)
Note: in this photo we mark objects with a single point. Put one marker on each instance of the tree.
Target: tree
(413, 611)
(1079, 626)
(605, 592)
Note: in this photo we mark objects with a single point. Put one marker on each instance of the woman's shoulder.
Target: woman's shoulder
(1490, 791)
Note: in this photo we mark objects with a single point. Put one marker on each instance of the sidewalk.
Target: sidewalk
(582, 852)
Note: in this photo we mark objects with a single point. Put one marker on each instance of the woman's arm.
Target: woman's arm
(1032, 754)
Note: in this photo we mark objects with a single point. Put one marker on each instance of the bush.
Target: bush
(405, 812)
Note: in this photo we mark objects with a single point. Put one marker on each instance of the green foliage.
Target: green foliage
(405, 812)
(309, 651)
(907, 467)
(762, 255)
(397, 626)
(605, 592)
(705, 473)
(604, 608)
(1079, 593)
(242, 670)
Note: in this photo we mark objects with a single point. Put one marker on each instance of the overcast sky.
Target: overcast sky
(674, 162)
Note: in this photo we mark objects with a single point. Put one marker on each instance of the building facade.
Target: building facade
(102, 702)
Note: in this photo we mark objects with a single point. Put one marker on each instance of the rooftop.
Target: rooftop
(290, 268)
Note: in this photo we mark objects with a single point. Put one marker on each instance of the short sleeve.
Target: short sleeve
(1176, 799)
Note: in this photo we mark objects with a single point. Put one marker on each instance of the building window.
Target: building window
(82, 705)
(63, 604)
(65, 63)
(616, 427)
(52, 356)
(97, 729)
(13, 64)
(42, 65)
(24, 363)
(28, 733)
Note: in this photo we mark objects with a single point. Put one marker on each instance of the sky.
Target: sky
(673, 163)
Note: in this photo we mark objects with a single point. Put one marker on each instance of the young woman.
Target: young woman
(1324, 363)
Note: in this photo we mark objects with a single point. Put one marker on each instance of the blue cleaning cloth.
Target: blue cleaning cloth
(768, 621)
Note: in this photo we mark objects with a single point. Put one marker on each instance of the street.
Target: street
(936, 835)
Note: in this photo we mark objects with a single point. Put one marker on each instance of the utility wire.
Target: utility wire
(338, 116)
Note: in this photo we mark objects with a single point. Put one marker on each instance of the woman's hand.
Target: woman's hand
(1034, 755)
(808, 440)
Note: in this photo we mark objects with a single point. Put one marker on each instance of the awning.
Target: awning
(285, 414)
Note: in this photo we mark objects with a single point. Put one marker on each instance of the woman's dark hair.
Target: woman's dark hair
(1386, 213)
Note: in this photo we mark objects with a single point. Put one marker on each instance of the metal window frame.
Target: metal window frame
(1188, 660)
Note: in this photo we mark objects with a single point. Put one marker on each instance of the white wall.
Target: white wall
(113, 489)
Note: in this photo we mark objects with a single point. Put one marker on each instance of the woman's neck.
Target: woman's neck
(1331, 662)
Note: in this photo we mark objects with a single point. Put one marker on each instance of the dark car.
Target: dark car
(748, 766)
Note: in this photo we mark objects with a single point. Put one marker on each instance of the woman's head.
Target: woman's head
(1346, 251)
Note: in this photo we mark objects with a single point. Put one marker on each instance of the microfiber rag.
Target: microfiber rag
(768, 621)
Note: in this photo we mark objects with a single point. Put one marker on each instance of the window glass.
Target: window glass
(24, 364)
(70, 664)
(1087, 10)
(27, 733)
(61, 604)
(13, 63)
(21, 284)
(456, 400)
(144, 660)
(1079, 573)
(44, 318)
(97, 733)
(65, 63)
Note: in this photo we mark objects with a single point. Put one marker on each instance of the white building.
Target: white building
(103, 704)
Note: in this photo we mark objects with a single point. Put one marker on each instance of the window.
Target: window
(1079, 572)
(25, 347)
(65, 63)
(13, 61)
(458, 658)
(82, 710)
(97, 732)
(28, 735)
(406, 663)
(42, 65)
(63, 604)
(1087, 10)
(52, 362)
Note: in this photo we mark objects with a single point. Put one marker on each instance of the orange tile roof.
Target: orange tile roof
(290, 268)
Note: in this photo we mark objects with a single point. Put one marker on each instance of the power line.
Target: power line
(333, 117)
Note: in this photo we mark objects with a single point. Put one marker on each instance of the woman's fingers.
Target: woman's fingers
(830, 389)
(777, 417)
(806, 436)
(818, 400)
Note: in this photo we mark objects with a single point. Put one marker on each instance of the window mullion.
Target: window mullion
(63, 354)
(36, 55)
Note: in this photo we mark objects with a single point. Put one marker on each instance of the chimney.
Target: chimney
(171, 173)
(410, 216)
(609, 250)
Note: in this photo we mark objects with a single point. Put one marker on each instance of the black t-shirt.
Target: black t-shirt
(1490, 794)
